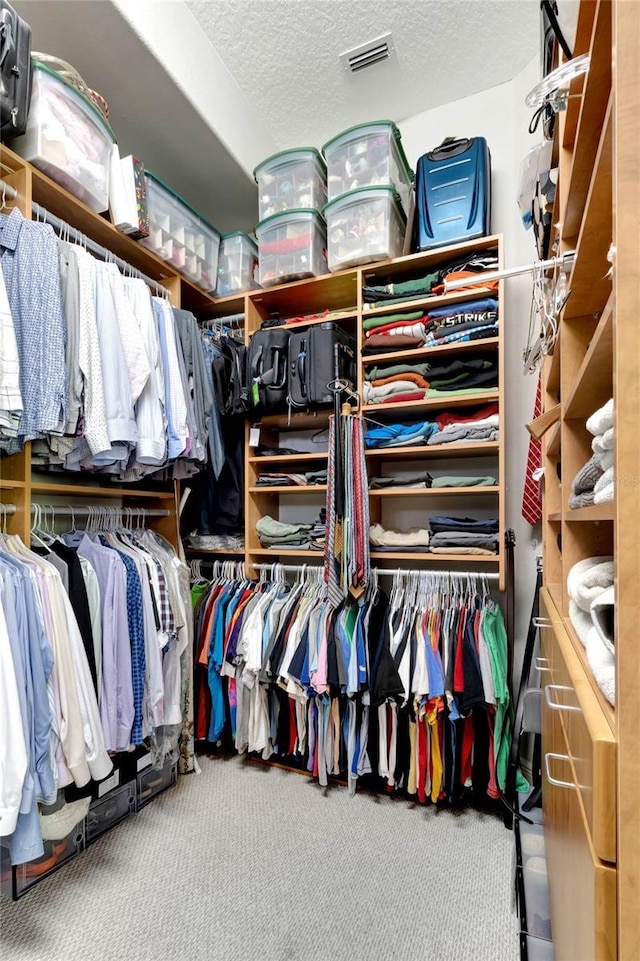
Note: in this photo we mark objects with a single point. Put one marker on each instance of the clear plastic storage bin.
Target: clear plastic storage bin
(67, 138)
(153, 781)
(18, 879)
(179, 235)
(368, 155)
(292, 245)
(364, 226)
(110, 810)
(291, 180)
(237, 264)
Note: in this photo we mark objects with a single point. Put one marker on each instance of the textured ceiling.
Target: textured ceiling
(284, 54)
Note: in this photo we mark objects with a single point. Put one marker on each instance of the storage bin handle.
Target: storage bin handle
(553, 705)
(541, 622)
(554, 780)
(539, 662)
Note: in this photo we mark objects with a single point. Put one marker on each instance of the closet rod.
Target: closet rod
(61, 227)
(298, 568)
(85, 510)
(7, 509)
(8, 191)
(564, 261)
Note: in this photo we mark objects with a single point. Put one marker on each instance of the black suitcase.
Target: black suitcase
(318, 356)
(230, 378)
(16, 72)
(267, 370)
(453, 193)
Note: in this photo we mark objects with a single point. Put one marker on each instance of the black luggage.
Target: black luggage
(453, 194)
(318, 356)
(230, 379)
(267, 370)
(15, 72)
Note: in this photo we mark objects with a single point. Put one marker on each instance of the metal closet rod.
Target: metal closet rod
(380, 571)
(563, 261)
(60, 226)
(85, 511)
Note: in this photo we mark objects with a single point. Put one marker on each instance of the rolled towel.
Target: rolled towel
(585, 479)
(582, 622)
(601, 420)
(602, 663)
(605, 459)
(606, 494)
(602, 442)
(605, 481)
(603, 617)
(589, 578)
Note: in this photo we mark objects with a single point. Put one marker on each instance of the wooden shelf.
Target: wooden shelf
(12, 485)
(470, 400)
(582, 45)
(593, 107)
(430, 492)
(553, 447)
(595, 512)
(429, 302)
(424, 353)
(441, 451)
(331, 292)
(589, 281)
(298, 421)
(224, 551)
(79, 490)
(286, 489)
(403, 267)
(290, 458)
(285, 552)
(555, 518)
(437, 558)
(553, 380)
(338, 318)
(594, 382)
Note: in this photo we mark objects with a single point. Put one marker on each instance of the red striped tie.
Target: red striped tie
(531, 500)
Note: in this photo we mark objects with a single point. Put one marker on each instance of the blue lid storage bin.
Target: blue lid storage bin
(237, 264)
(292, 246)
(368, 155)
(67, 138)
(364, 226)
(291, 180)
(179, 235)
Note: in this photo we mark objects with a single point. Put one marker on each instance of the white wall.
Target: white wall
(499, 114)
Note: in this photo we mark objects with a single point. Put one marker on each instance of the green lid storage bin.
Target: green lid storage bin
(67, 138)
(179, 235)
(368, 155)
(292, 246)
(291, 180)
(237, 264)
(364, 226)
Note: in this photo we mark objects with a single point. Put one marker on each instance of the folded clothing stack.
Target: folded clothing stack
(422, 479)
(456, 323)
(594, 483)
(273, 533)
(318, 532)
(217, 542)
(399, 435)
(451, 535)
(592, 613)
(277, 479)
(433, 284)
(467, 426)
(453, 378)
(414, 541)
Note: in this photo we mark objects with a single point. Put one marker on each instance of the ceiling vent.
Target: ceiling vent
(368, 54)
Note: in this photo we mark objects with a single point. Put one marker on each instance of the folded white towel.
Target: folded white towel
(602, 419)
(606, 494)
(605, 481)
(602, 663)
(602, 442)
(582, 622)
(589, 578)
(602, 615)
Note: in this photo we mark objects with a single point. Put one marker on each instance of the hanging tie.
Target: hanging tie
(531, 500)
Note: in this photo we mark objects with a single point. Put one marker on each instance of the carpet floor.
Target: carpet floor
(252, 863)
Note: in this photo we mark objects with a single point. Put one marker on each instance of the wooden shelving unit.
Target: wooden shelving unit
(595, 826)
(341, 293)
